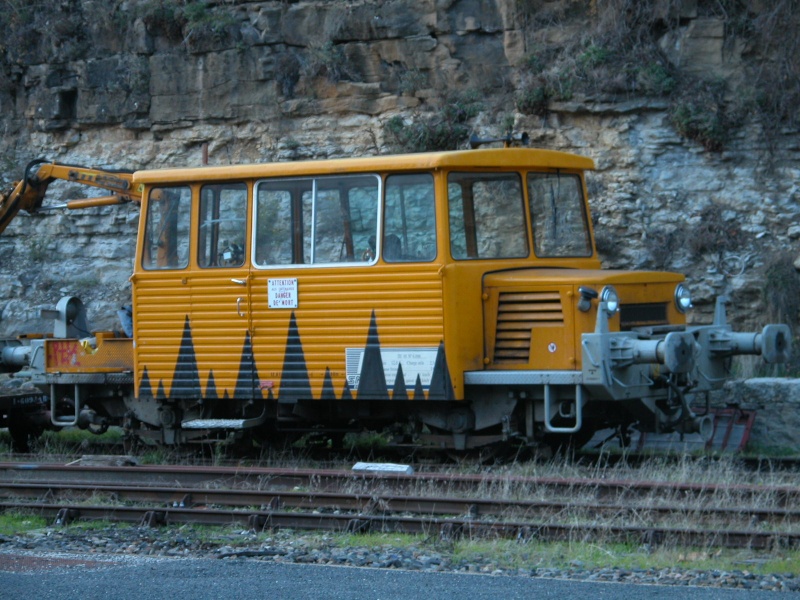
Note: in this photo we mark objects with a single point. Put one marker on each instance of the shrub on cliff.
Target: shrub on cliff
(699, 114)
(446, 129)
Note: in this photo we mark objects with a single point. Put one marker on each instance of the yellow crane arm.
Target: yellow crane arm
(28, 193)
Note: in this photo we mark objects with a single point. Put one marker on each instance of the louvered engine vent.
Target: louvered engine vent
(518, 313)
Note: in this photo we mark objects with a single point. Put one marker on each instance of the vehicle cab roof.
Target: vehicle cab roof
(525, 158)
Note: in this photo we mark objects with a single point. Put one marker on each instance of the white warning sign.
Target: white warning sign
(282, 292)
(416, 362)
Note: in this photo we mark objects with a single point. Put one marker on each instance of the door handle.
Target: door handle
(239, 281)
(239, 307)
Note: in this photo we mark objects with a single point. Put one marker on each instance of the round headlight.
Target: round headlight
(611, 298)
(683, 298)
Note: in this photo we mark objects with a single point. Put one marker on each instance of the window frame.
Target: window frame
(472, 245)
(146, 241)
(431, 176)
(297, 206)
(202, 240)
(584, 214)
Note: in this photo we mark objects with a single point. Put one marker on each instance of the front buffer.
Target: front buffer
(650, 372)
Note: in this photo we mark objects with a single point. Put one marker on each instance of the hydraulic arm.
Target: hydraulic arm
(28, 193)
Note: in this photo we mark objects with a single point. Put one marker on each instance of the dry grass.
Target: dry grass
(577, 551)
(518, 482)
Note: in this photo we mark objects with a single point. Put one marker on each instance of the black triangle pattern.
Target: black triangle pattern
(419, 391)
(399, 391)
(211, 387)
(145, 389)
(372, 379)
(186, 378)
(247, 381)
(441, 385)
(328, 393)
(346, 393)
(294, 376)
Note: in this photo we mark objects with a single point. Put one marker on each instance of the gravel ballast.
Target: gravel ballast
(291, 547)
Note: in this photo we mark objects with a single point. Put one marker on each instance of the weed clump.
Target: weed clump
(196, 23)
(287, 73)
(699, 114)
(163, 18)
(782, 289)
(655, 79)
(445, 129)
(713, 234)
(411, 81)
(534, 99)
(328, 60)
(663, 246)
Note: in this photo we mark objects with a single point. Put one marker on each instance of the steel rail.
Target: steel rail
(322, 480)
(378, 503)
(444, 528)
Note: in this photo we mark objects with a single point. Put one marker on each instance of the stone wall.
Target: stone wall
(777, 405)
(123, 87)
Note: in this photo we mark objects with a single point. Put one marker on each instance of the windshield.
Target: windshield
(558, 214)
(487, 216)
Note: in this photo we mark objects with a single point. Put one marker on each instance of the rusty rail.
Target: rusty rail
(381, 503)
(283, 498)
(327, 480)
(444, 528)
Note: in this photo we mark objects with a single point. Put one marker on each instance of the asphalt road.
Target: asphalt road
(113, 578)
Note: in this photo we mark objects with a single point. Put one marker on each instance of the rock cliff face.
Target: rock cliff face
(147, 83)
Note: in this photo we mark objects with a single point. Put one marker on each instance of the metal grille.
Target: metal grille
(640, 315)
(518, 313)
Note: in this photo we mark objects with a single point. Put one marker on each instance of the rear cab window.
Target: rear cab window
(167, 228)
(409, 227)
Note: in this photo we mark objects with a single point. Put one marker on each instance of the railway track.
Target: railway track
(444, 505)
(261, 478)
(588, 459)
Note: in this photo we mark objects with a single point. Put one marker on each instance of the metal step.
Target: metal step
(224, 423)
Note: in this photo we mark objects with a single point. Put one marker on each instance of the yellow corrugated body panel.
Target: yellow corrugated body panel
(194, 312)
(334, 312)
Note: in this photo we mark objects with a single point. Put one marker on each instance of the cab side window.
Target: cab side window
(321, 220)
(222, 226)
(409, 228)
(281, 223)
(166, 243)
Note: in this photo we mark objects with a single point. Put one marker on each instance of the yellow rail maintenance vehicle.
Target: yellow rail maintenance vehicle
(458, 294)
